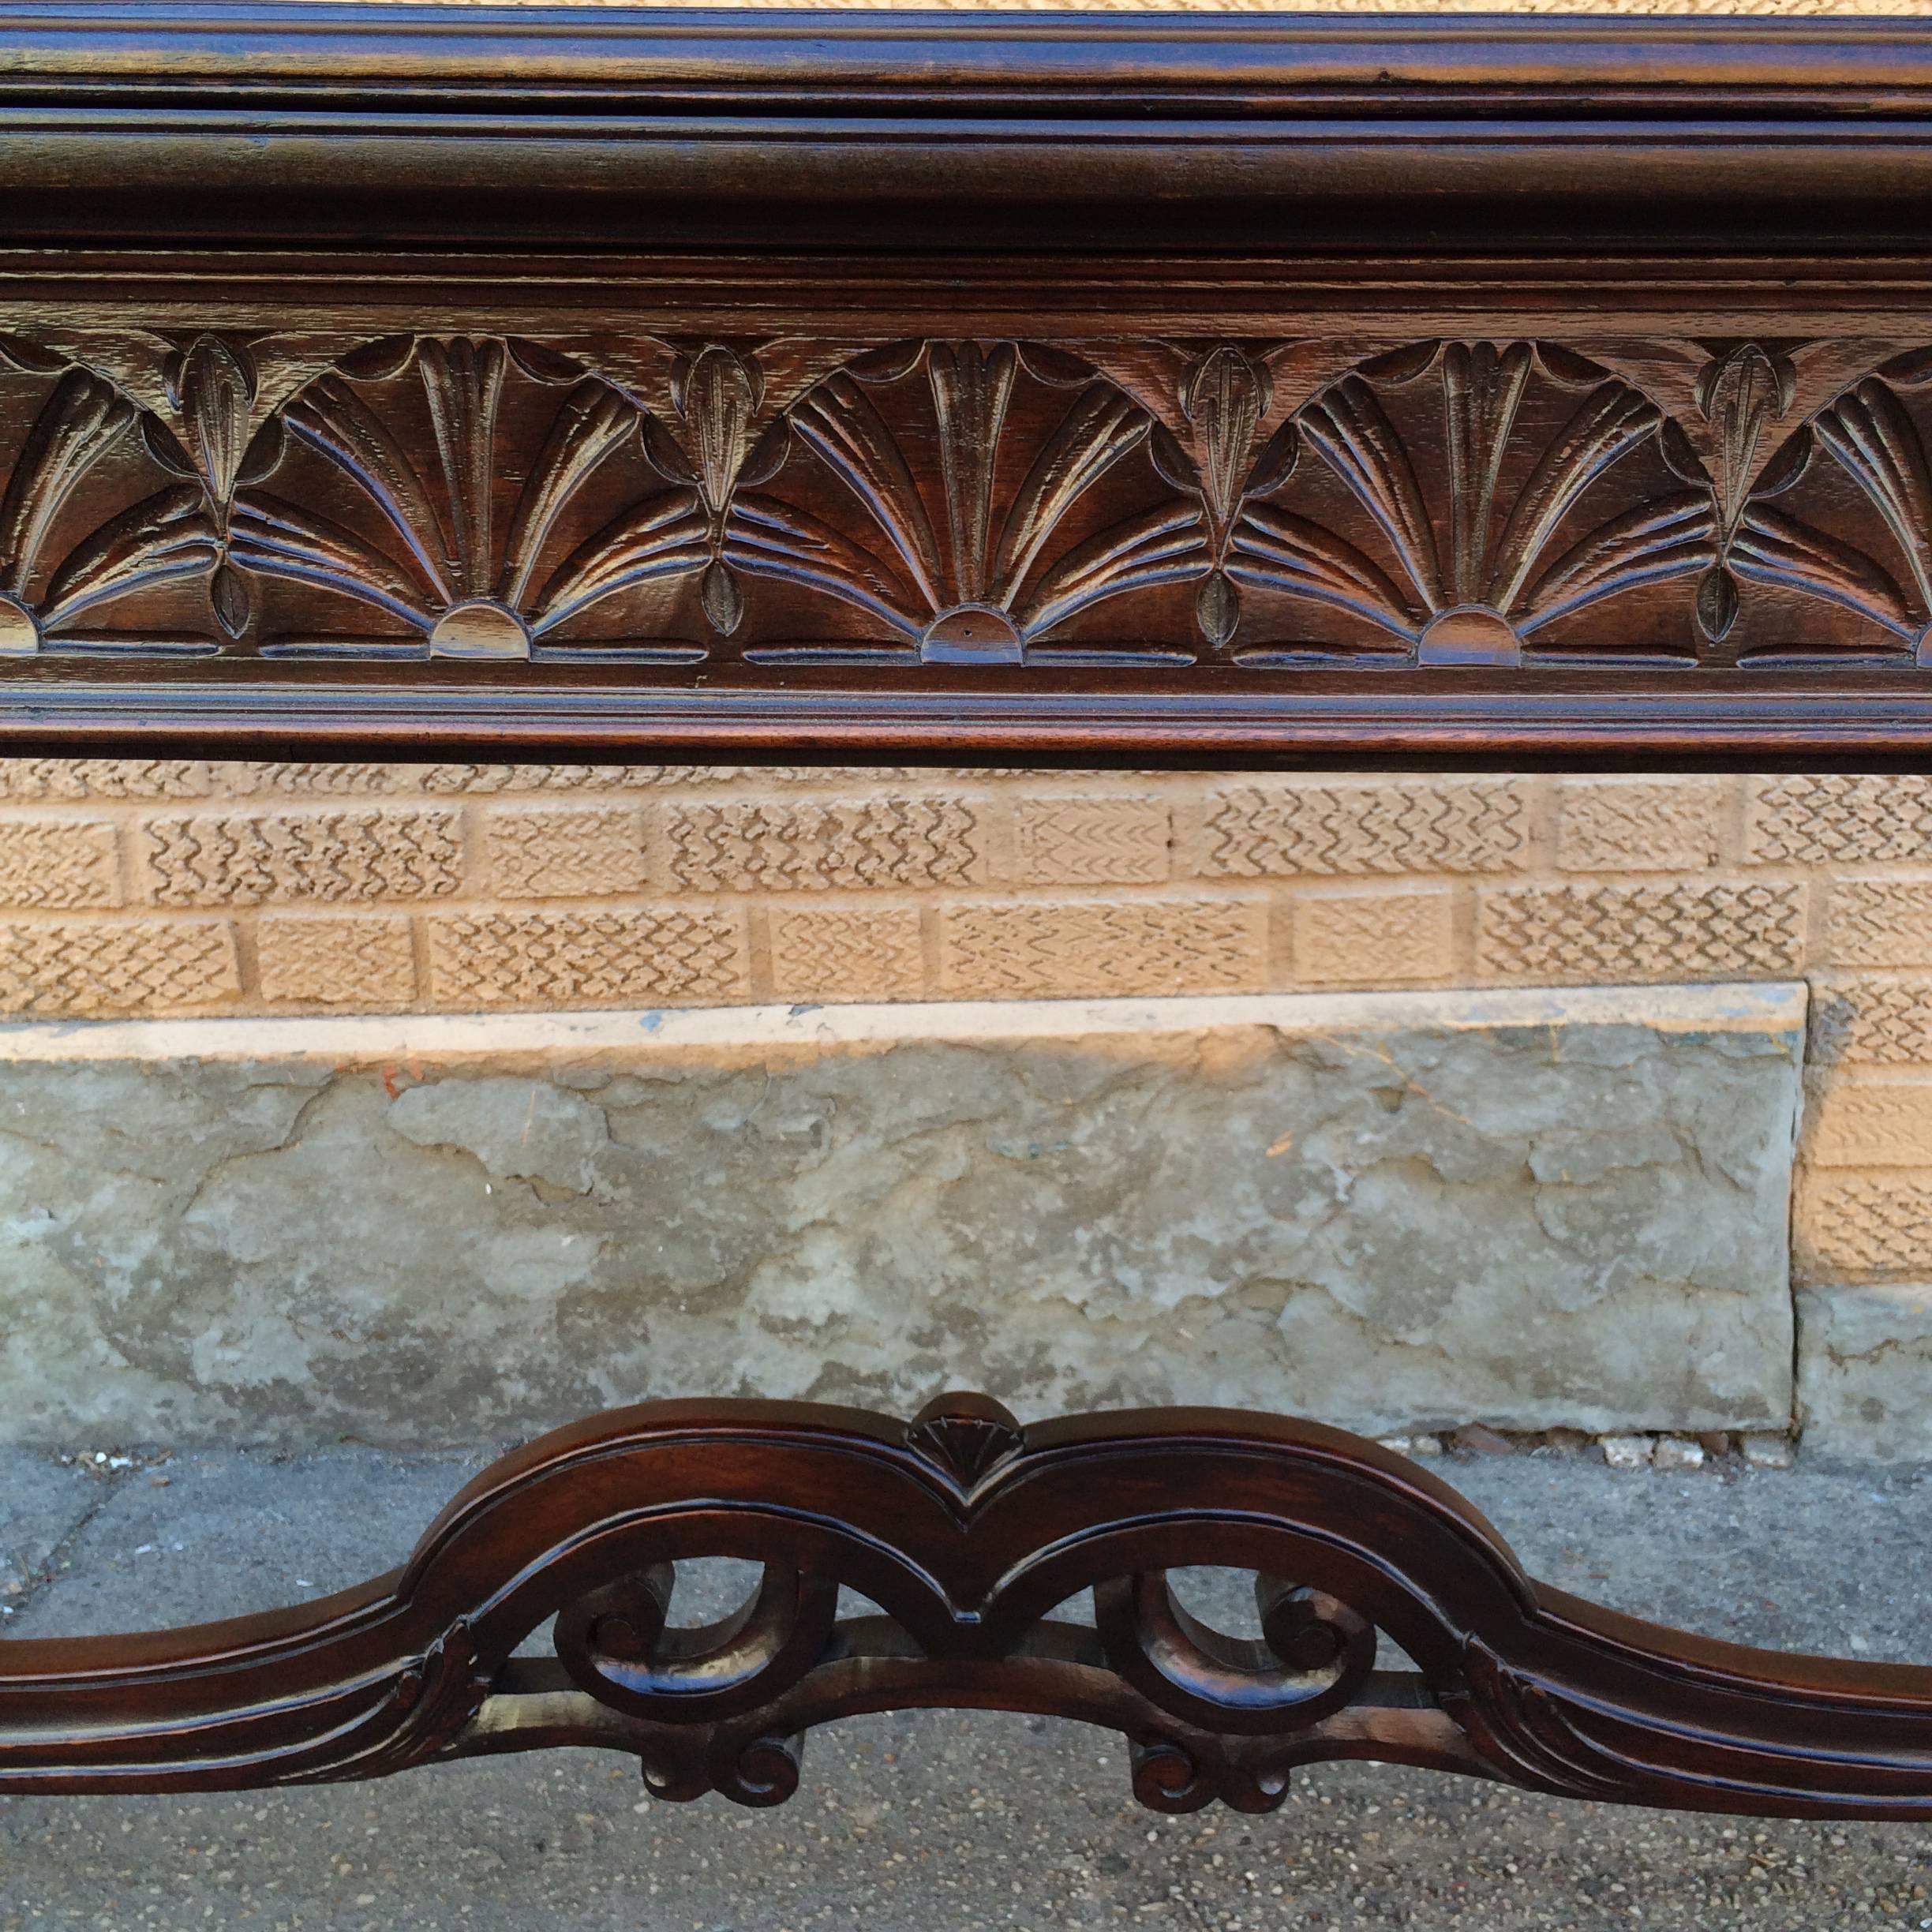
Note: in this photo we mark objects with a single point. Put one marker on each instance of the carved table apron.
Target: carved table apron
(588, 384)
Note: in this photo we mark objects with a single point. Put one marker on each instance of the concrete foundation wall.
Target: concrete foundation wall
(1395, 1211)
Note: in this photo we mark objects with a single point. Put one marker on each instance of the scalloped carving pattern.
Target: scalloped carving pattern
(1491, 504)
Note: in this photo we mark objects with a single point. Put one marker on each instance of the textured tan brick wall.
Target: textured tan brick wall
(133, 888)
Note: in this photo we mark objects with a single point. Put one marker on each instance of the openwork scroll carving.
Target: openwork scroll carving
(974, 1539)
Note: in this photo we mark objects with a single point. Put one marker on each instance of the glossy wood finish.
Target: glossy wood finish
(968, 1532)
(578, 382)
(586, 383)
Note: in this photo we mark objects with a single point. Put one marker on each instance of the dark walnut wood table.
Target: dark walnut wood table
(395, 380)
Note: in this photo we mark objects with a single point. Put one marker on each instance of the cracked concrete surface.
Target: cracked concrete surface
(1866, 1353)
(1393, 1211)
(971, 1821)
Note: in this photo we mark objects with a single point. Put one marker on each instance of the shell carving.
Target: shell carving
(980, 504)
(975, 558)
(435, 542)
(1457, 501)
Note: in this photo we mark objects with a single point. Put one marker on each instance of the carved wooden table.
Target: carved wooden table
(592, 385)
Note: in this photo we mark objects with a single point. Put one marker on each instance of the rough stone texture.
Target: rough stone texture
(1864, 1363)
(1392, 1210)
(459, 887)
(42, 1504)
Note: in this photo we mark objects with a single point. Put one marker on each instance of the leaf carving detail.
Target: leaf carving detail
(79, 424)
(968, 498)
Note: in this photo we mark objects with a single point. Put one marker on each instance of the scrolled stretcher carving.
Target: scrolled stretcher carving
(968, 1532)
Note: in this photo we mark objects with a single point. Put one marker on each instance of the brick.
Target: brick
(1640, 825)
(1139, 946)
(1872, 1124)
(1361, 938)
(139, 966)
(493, 778)
(1580, 933)
(1091, 842)
(1477, 825)
(588, 959)
(62, 863)
(846, 952)
(1872, 1019)
(496, 778)
(244, 859)
(1838, 821)
(329, 781)
(328, 960)
(782, 845)
(1882, 922)
(107, 778)
(566, 851)
(1864, 1226)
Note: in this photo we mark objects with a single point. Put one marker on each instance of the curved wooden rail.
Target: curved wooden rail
(967, 1531)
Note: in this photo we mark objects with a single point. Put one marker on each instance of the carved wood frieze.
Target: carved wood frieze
(1272, 506)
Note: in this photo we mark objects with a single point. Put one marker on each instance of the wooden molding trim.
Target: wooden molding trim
(586, 382)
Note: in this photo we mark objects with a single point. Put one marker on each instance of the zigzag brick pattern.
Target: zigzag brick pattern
(1882, 922)
(1576, 934)
(1864, 1227)
(485, 779)
(1054, 949)
(818, 951)
(313, 780)
(566, 851)
(236, 858)
(1443, 825)
(1872, 1124)
(330, 960)
(1091, 842)
(65, 862)
(587, 959)
(1363, 938)
(106, 778)
(1882, 1020)
(399, 889)
(1640, 825)
(96, 969)
(1839, 821)
(782, 846)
